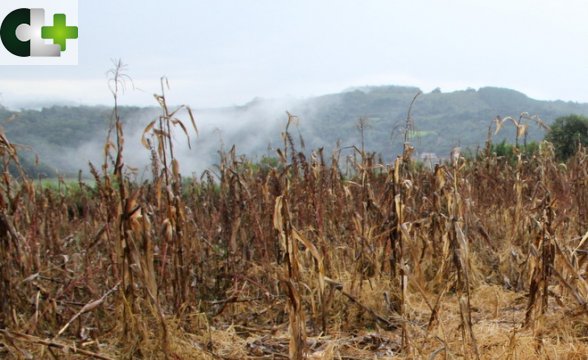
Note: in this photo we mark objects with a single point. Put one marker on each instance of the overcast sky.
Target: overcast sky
(221, 52)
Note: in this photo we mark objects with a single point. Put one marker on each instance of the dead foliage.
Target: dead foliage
(476, 259)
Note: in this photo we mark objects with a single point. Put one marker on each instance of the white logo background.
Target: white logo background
(51, 7)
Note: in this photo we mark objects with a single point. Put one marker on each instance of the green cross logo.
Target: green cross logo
(59, 32)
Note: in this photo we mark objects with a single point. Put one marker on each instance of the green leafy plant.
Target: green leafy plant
(567, 134)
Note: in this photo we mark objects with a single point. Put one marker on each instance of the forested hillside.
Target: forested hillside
(63, 136)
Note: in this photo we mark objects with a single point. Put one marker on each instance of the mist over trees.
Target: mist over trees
(65, 138)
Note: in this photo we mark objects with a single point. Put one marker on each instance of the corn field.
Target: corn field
(321, 256)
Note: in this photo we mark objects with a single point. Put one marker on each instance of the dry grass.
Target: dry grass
(473, 259)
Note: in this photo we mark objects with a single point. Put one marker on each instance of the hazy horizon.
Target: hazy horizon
(40, 103)
(226, 53)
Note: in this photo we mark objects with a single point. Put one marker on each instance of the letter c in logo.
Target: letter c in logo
(8, 32)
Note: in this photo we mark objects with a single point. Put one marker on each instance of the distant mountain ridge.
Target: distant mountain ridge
(441, 121)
